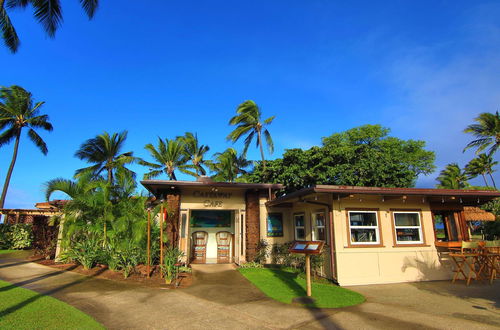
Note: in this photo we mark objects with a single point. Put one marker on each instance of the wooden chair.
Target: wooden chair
(467, 260)
(199, 254)
(224, 239)
(492, 259)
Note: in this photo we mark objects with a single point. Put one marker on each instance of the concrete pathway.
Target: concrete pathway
(221, 298)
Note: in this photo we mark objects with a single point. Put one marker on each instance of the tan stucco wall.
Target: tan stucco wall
(191, 200)
(386, 264)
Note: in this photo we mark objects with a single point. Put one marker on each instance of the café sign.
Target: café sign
(212, 198)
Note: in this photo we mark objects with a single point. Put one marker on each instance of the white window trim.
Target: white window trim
(419, 227)
(314, 227)
(377, 232)
(299, 227)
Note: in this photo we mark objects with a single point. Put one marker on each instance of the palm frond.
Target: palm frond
(9, 34)
(38, 141)
(8, 135)
(90, 7)
(49, 14)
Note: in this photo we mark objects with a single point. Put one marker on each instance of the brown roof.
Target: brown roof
(472, 213)
(468, 196)
(156, 185)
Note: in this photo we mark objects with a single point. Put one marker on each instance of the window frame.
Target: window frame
(397, 243)
(378, 231)
(303, 214)
(314, 226)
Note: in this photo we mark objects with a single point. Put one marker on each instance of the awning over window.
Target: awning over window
(472, 213)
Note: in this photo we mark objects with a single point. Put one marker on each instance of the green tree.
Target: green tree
(18, 110)
(362, 156)
(228, 165)
(104, 151)
(47, 12)
(453, 177)
(481, 165)
(248, 122)
(195, 153)
(486, 131)
(170, 155)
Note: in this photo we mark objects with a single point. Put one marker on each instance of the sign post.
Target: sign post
(307, 248)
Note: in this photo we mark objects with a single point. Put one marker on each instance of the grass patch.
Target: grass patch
(284, 285)
(7, 251)
(25, 309)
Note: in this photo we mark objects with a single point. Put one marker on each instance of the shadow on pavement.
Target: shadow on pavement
(40, 295)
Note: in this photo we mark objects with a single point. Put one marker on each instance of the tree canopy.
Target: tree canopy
(361, 156)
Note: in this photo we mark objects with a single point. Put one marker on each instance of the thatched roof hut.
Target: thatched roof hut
(472, 213)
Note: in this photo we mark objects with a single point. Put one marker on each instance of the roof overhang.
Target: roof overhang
(157, 186)
(433, 195)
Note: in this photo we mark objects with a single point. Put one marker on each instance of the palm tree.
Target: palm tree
(248, 121)
(169, 156)
(481, 165)
(228, 165)
(453, 177)
(90, 207)
(46, 12)
(487, 133)
(104, 152)
(195, 153)
(18, 110)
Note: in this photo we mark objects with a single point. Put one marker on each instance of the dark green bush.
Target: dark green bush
(18, 236)
(262, 252)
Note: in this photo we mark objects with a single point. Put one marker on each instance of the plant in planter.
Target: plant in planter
(171, 258)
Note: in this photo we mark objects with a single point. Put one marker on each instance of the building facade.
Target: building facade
(372, 235)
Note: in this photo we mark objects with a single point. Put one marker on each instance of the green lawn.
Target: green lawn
(7, 251)
(25, 309)
(283, 285)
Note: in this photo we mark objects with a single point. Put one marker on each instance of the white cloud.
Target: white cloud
(443, 87)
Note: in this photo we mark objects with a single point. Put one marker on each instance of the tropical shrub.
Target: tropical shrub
(251, 265)
(262, 252)
(18, 236)
(85, 251)
(128, 256)
(4, 237)
(170, 259)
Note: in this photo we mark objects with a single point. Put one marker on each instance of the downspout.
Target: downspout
(333, 259)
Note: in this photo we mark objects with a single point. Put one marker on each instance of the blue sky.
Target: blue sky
(424, 69)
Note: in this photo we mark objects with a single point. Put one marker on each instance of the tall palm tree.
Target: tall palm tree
(169, 156)
(195, 152)
(453, 177)
(47, 12)
(17, 111)
(104, 151)
(486, 131)
(228, 165)
(249, 123)
(482, 165)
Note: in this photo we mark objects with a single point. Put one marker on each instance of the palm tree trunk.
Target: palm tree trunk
(259, 136)
(484, 178)
(9, 172)
(491, 176)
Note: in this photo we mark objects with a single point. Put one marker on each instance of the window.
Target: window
(363, 226)
(318, 226)
(274, 225)
(300, 229)
(407, 227)
(445, 226)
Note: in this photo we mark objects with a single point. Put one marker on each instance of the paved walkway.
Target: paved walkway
(221, 298)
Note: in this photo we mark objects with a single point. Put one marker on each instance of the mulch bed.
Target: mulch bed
(102, 271)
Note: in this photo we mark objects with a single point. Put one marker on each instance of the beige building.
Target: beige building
(372, 235)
